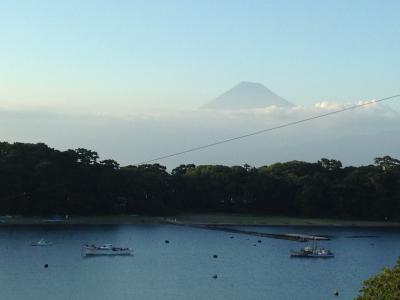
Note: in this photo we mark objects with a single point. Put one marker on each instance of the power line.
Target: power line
(268, 129)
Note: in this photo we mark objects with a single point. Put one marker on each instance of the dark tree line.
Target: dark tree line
(38, 180)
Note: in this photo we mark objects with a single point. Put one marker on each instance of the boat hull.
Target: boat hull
(312, 256)
(303, 254)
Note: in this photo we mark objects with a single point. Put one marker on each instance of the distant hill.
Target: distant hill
(247, 95)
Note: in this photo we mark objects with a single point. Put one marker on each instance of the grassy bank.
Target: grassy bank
(256, 220)
(207, 219)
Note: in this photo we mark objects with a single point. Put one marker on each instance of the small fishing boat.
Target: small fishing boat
(312, 252)
(106, 249)
(41, 243)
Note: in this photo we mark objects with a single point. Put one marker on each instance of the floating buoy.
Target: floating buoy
(215, 256)
(231, 237)
(46, 266)
(215, 276)
(166, 241)
(259, 241)
(336, 293)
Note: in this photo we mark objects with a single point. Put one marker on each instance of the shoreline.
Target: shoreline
(195, 219)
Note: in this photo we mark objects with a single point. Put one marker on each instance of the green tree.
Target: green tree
(86, 157)
(182, 169)
(384, 286)
(330, 164)
(387, 163)
(110, 164)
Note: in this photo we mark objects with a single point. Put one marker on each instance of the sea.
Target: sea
(177, 262)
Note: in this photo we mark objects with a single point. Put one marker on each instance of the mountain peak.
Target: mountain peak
(247, 95)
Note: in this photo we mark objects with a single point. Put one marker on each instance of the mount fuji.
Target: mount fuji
(247, 95)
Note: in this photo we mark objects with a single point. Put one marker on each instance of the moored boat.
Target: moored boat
(106, 249)
(41, 243)
(312, 252)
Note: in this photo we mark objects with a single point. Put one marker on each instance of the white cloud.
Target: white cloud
(355, 136)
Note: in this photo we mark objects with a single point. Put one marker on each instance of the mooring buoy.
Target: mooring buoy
(46, 266)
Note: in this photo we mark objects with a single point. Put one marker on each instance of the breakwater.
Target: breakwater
(296, 237)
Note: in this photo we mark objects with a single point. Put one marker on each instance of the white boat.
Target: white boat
(312, 252)
(106, 249)
(42, 243)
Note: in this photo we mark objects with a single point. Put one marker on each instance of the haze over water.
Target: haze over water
(183, 269)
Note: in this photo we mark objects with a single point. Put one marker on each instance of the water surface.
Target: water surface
(184, 268)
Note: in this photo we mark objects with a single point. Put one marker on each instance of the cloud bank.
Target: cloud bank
(355, 136)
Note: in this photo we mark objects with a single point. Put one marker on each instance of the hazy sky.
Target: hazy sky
(125, 78)
(121, 56)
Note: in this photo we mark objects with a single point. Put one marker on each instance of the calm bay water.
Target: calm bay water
(184, 268)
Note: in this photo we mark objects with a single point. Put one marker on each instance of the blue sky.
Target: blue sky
(126, 55)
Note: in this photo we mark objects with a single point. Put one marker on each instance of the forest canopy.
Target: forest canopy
(38, 180)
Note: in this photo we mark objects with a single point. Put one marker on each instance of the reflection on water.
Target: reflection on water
(185, 267)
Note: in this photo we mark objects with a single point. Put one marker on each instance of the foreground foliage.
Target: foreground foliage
(38, 180)
(384, 286)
